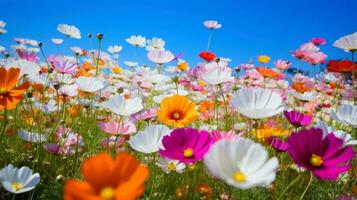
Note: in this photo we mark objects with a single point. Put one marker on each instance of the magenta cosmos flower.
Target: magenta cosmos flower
(298, 119)
(187, 145)
(278, 144)
(325, 157)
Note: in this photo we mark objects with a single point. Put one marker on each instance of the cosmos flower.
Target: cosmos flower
(347, 42)
(347, 138)
(138, 41)
(69, 31)
(169, 166)
(177, 111)
(115, 128)
(90, 84)
(121, 106)
(17, 180)
(149, 140)
(145, 115)
(346, 114)
(217, 73)
(220, 135)
(155, 44)
(32, 136)
(241, 163)
(64, 66)
(281, 64)
(267, 131)
(27, 55)
(263, 59)
(268, 73)
(186, 145)
(324, 157)
(318, 41)
(207, 56)
(341, 66)
(278, 144)
(257, 103)
(105, 178)
(305, 96)
(114, 49)
(57, 41)
(212, 24)
(297, 118)
(160, 56)
(10, 95)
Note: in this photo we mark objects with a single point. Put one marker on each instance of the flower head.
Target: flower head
(263, 59)
(69, 31)
(298, 119)
(207, 56)
(212, 24)
(347, 42)
(138, 41)
(160, 56)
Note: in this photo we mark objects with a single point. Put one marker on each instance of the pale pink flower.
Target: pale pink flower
(64, 66)
(282, 64)
(221, 135)
(114, 128)
(145, 115)
(111, 141)
(160, 56)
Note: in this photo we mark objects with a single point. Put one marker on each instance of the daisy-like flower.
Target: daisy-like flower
(32, 136)
(347, 42)
(160, 56)
(257, 103)
(105, 178)
(150, 139)
(220, 135)
(10, 95)
(169, 166)
(187, 145)
(207, 56)
(57, 41)
(18, 181)
(282, 64)
(305, 96)
(241, 163)
(26, 67)
(212, 24)
(115, 128)
(217, 73)
(115, 49)
(323, 156)
(297, 118)
(121, 106)
(138, 41)
(347, 138)
(155, 44)
(2, 25)
(278, 144)
(64, 66)
(90, 84)
(145, 115)
(263, 59)
(346, 114)
(69, 31)
(177, 111)
(267, 131)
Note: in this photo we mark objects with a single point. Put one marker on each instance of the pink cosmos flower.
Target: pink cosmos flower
(220, 135)
(111, 141)
(145, 115)
(318, 41)
(282, 64)
(160, 56)
(64, 66)
(114, 128)
(27, 55)
(297, 118)
(68, 142)
(315, 58)
(186, 145)
(278, 144)
(300, 54)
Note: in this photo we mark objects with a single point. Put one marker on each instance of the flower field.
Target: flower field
(77, 126)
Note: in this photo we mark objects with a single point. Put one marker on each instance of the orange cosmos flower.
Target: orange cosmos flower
(108, 179)
(177, 111)
(10, 95)
(268, 73)
(300, 87)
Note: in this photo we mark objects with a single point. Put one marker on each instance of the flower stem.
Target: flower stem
(290, 184)
(97, 61)
(307, 187)
(224, 99)
(354, 87)
(209, 39)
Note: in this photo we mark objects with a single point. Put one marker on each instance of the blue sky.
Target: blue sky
(250, 28)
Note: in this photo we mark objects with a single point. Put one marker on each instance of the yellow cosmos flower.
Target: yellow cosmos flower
(117, 70)
(177, 111)
(182, 66)
(267, 131)
(263, 59)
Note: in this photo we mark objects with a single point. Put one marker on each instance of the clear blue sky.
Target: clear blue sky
(250, 28)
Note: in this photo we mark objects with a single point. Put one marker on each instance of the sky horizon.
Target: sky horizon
(249, 28)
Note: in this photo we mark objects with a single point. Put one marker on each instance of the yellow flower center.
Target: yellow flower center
(171, 166)
(16, 186)
(176, 115)
(3, 90)
(188, 152)
(107, 193)
(316, 160)
(239, 177)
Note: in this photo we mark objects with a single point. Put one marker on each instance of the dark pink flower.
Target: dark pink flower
(278, 144)
(318, 41)
(27, 55)
(187, 145)
(325, 156)
(298, 119)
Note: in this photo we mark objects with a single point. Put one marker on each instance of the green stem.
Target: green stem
(307, 187)
(224, 99)
(290, 184)
(97, 66)
(209, 39)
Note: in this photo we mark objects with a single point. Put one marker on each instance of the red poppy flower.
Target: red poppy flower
(207, 56)
(341, 66)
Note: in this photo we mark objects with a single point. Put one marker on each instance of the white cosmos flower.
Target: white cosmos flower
(155, 44)
(114, 49)
(150, 139)
(347, 138)
(2, 48)
(57, 41)
(121, 106)
(18, 181)
(68, 90)
(26, 67)
(306, 96)
(347, 42)
(90, 84)
(2, 25)
(69, 31)
(217, 73)
(32, 136)
(31, 42)
(169, 166)
(160, 56)
(138, 40)
(34, 50)
(346, 114)
(131, 64)
(212, 24)
(77, 50)
(257, 103)
(241, 163)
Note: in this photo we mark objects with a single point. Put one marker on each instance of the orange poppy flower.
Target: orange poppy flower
(300, 87)
(177, 111)
(268, 73)
(108, 179)
(10, 95)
